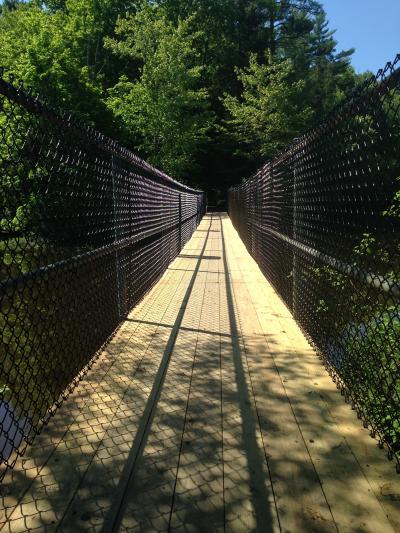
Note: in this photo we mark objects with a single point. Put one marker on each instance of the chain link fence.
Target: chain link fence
(323, 222)
(86, 229)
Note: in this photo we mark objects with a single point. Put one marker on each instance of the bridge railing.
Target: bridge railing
(86, 229)
(323, 222)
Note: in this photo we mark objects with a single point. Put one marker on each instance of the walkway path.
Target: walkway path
(207, 412)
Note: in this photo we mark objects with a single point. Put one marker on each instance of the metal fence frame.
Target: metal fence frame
(322, 221)
(86, 229)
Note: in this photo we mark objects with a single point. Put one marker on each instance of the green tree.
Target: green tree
(165, 112)
(270, 111)
(331, 76)
(274, 15)
(47, 51)
(78, 55)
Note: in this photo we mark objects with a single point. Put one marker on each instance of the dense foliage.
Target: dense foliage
(205, 89)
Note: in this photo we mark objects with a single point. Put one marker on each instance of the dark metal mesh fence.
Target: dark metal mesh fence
(86, 228)
(322, 220)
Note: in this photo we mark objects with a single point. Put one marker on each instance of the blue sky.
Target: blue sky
(370, 26)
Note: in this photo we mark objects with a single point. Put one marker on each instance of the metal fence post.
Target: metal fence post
(180, 221)
(115, 222)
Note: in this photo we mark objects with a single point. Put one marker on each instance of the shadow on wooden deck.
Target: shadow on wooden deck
(207, 412)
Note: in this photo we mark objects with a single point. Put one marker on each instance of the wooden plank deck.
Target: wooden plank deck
(207, 412)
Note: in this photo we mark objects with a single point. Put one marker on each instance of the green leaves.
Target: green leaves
(270, 111)
(203, 88)
(394, 209)
(44, 49)
(165, 112)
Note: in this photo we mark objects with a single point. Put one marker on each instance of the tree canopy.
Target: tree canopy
(204, 89)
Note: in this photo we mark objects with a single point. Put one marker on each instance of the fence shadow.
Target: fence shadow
(188, 423)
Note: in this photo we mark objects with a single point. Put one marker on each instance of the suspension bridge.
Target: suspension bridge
(207, 411)
(168, 369)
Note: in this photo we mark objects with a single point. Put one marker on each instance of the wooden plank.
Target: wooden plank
(198, 500)
(149, 496)
(57, 477)
(300, 499)
(248, 494)
(354, 505)
(336, 464)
